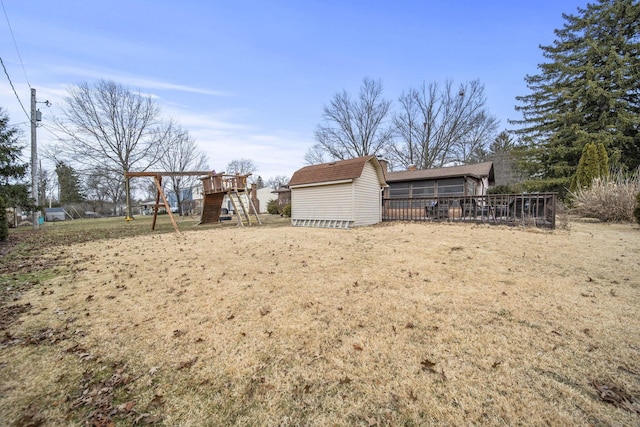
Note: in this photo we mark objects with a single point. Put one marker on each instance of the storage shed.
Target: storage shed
(55, 214)
(338, 194)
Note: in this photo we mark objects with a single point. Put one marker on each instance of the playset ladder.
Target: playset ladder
(243, 207)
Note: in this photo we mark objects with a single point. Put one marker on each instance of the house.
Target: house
(464, 180)
(283, 195)
(338, 194)
(264, 195)
(441, 193)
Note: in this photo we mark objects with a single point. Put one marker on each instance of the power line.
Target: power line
(51, 131)
(14, 90)
(15, 43)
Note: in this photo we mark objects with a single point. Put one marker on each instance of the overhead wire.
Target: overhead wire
(15, 43)
(14, 90)
(51, 131)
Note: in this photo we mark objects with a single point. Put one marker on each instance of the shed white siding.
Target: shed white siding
(338, 194)
(367, 197)
(322, 202)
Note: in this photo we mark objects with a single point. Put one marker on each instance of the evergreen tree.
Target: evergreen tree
(588, 90)
(68, 184)
(588, 167)
(503, 154)
(594, 163)
(13, 188)
(4, 225)
(603, 161)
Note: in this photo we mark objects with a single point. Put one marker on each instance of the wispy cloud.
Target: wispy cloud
(134, 81)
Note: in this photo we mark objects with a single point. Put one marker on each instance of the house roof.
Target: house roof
(282, 189)
(341, 170)
(477, 170)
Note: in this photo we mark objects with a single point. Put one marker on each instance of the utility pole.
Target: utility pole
(34, 159)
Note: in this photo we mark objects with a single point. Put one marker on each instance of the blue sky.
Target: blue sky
(249, 79)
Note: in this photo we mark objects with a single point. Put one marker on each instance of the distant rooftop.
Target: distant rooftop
(476, 170)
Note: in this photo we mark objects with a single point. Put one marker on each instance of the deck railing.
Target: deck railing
(221, 183)
(535, 209)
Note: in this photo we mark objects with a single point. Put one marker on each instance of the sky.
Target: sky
(249, 78)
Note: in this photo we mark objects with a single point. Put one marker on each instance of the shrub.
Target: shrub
(611, 199)
(272, 207)
(636, 211)
(501, 189)
(4, 225)
(286, 210)
(549, 185)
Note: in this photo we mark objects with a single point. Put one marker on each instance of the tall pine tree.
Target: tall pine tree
(589, 90)
(68, 184)
(14, 189)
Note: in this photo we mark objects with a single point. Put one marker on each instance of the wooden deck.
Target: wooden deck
(535, 209)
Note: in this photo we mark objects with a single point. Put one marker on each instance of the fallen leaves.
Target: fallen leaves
(613, 394)
(265, 310)
(428, 366)
(9, 313)
(187, 364)
(345, 380)
(99, 398)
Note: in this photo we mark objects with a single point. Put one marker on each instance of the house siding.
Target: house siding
(326, 202)
(367, 197)
(265, 195)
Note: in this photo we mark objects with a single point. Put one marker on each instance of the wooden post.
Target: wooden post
(158, 181)
(155, 207)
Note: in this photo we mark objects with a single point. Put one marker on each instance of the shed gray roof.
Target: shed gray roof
(477, 170)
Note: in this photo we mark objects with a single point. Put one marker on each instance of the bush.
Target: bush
(272, 207)
(4, 225)
(636, 211)
(502, 189)
(610, 199)
(286, 210)
(549, 185)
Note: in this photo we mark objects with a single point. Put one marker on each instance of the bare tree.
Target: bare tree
(104, 184)
(106, 124)
(316, 154)
(472, 146)
(277, 181)
(440, 125)
(241, 166)
(181, 155)
(354, 128)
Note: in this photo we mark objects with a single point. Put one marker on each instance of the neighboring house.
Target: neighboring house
(264, 196)
(186, 196)
(283, 195)
(465, 180)
(338, 194)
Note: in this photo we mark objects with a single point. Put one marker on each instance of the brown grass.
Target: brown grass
(397, 324)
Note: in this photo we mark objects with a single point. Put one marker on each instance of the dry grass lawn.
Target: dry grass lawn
(396, 324)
